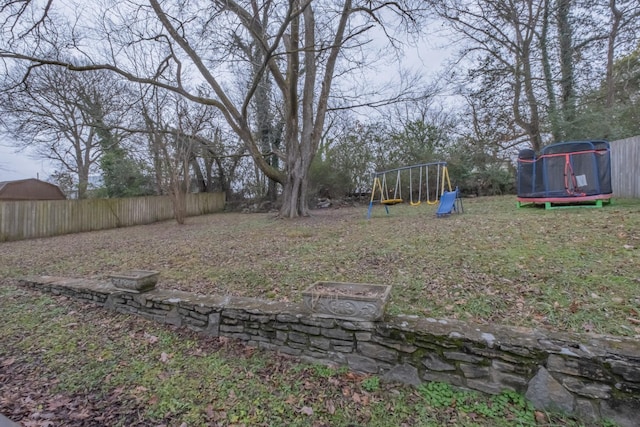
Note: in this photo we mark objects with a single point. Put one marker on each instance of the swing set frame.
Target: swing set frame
(380, 183)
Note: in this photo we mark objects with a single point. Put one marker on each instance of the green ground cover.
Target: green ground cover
(65, 363)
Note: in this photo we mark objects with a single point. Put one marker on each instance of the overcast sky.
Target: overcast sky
(15, 166)
(428, 57)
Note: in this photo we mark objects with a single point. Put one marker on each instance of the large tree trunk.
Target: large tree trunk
(200, 180)
(303, 131)
(616, 17)
(567, 80)
(548, 75)
(534, 117)
(83, 181)
(179, 186)
(524, 80)
(294, 203)
(208, 166)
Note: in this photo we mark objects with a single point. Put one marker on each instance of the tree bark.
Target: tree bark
(567, 80)
(83, 181)
(616, 18)
(548, 76)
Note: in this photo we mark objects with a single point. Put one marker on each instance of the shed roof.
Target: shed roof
(30, 189)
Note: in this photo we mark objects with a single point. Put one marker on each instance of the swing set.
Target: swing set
(426, 173)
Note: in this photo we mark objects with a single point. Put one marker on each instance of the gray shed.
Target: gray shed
(30, 189)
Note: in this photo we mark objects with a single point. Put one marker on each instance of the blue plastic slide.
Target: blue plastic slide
(447, 203)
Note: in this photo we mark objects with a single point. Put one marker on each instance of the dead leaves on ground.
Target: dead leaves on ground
(491, 248)
(29, 391)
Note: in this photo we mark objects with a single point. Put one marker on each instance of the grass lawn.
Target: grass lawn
(66, 363)
(567, 269)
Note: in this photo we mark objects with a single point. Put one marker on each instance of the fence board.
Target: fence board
(43, 218)
(625, 167)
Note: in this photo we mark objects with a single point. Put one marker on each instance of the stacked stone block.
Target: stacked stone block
(591, 376)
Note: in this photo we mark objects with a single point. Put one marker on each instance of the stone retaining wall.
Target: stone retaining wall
(591, 376)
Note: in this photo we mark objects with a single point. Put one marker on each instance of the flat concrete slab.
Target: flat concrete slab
(6, 422)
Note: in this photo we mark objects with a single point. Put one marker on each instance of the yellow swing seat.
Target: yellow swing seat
(391, 201)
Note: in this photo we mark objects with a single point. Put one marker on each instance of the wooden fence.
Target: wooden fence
(625, 167)
(43, 218)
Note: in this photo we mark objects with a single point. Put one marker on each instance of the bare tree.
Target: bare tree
(268, 118)
(164, 122)
(185, 138)
(305, 45)
(625, 15)
(166, 113)
(501, 41)
(60, 114)
(543, 57)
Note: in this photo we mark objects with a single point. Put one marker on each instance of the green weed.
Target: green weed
(437, 395)
(371, 384)
(507, 405)
(137, 370)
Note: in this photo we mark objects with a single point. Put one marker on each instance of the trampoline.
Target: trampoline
(576, 173)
